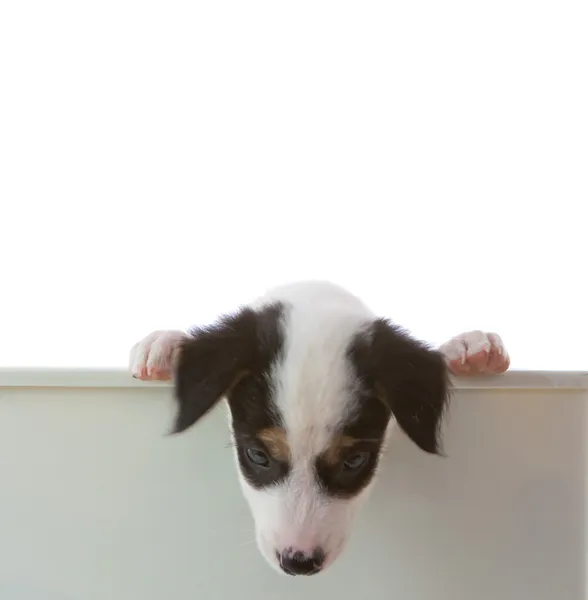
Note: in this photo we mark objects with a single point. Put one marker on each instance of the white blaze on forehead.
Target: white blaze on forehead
(314, 383)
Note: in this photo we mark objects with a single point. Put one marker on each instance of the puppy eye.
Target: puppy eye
(356, 461)
(258, 457)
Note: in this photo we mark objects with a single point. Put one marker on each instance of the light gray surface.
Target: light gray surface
(97, 503)
(121, 378)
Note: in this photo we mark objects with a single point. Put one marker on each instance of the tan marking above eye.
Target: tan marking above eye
(334, 452)
(276, 442)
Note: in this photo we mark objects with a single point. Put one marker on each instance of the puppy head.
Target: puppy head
(310, 409)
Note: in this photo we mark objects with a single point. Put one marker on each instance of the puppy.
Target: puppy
(314, 383)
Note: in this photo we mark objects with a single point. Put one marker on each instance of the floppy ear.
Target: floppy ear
(411, 378)
(213, 359)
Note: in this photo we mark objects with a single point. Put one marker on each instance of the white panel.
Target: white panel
(97, 503)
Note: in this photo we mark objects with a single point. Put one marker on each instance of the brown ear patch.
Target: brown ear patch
(408, 375)
(275, 440)
(212, 358)
(239, 376)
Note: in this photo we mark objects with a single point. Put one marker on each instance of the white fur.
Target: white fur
(155, 353)
(466, 345)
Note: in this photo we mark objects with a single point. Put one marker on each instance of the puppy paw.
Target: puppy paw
(152, 358)
(476, 353)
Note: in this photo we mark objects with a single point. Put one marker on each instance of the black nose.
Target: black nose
(295, 562)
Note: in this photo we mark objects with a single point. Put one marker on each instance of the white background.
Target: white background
(161, 162)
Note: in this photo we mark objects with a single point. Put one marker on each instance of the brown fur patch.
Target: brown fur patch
(239, 376)
(276, 442)
(336, 448)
